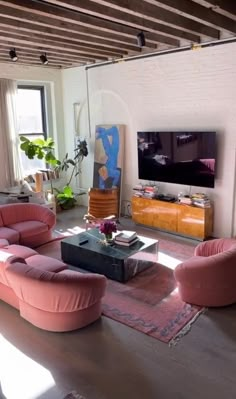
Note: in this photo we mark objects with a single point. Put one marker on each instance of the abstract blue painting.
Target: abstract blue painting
(108, 156)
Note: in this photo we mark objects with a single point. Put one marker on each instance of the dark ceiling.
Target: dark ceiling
(79, 32)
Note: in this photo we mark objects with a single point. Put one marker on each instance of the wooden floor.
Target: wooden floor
(108, 360)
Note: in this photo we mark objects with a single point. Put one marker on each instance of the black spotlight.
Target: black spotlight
(43, 59)
(141, 39)
(13, 55)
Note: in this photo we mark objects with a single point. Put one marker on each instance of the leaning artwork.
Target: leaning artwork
(108, 156)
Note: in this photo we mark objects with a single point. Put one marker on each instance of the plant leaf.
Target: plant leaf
(39, 142)
(23, 138)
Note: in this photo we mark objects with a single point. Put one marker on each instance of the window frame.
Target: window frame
(44, 133)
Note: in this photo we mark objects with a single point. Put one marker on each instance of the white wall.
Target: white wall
(51, 79)
(182, 91)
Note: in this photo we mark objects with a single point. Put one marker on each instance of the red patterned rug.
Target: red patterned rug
(149, 302)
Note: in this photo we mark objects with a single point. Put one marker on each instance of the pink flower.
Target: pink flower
(108, 227)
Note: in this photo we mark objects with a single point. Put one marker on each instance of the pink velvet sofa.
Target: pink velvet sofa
(209, 277)
(45, 292)
(26, 224)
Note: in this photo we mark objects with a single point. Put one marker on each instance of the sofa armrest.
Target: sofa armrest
(7, 257)
(66, 291)
(45, 215)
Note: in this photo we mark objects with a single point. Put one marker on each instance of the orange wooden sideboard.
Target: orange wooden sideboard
(181, 219)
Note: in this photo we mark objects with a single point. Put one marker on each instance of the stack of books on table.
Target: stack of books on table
(126, 238)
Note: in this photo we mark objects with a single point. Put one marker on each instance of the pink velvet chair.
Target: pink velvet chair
(209, 277)
(26, 224)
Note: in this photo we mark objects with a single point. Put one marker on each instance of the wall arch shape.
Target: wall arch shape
(108, 107)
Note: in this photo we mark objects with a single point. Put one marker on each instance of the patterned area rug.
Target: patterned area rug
(149, 302)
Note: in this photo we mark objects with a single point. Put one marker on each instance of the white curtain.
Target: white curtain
(10, 162)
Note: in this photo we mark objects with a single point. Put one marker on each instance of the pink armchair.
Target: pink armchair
(209, 277)
(26, 224)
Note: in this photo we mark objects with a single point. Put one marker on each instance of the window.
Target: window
(31, 117)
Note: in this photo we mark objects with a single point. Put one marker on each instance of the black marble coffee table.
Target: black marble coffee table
(120, 263)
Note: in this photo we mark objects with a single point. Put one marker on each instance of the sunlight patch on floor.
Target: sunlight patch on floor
(168, 260)
(20, 376)
(76, 230)
(69, 231)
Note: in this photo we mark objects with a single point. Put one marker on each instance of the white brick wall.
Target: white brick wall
(188, 90)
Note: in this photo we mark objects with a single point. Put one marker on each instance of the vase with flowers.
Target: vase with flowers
(107, 227)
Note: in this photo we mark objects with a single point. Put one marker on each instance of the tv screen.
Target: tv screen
(177, 157)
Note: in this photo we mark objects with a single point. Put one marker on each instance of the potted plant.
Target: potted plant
(66, 197)
(44, 149)
(41, 149)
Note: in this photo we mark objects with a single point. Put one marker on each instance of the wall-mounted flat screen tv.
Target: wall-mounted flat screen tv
(177, 157)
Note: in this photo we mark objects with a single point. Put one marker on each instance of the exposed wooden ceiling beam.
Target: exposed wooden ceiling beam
(13, 41)
(225, 5)
(151, 10)
(198, 12)
(43, 13)
(52, 53)
(47, 44)
(123, 16)
(75, 32)
(10, 44)
(116, 41)
(36, 54)
(40, 38)
(33, 63)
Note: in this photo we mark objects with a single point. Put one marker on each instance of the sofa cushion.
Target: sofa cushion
(36, 240)
(12, 236)
(29, 228)
(46, 263)
(19, 250)
(32, 258)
